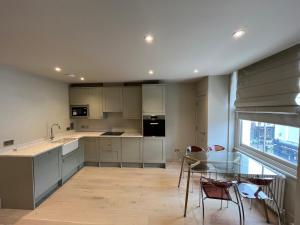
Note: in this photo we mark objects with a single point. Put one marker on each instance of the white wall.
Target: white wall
(29, 105)
(180, 117)
(218, 110)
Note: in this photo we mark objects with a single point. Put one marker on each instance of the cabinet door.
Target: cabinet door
(132, 102)
(47, 171)
(112, 99)
(91, 96)
(91, 150)
(70, 163)
(153, 150)
(154, 99)
(132, 150)
(110, 149)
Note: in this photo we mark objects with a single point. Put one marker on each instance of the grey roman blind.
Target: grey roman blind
(270, 85)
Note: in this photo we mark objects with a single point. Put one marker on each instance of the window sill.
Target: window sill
(269, 161)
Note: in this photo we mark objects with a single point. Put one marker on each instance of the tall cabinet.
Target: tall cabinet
(212, 111)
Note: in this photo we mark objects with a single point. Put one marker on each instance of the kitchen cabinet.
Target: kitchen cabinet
(132, 150)
(91, 150)
(153, 150)
(47, 171)
(110, 149)
(91, 96)
(70, 164)
(132, 102)
(112, 99)
(153, 99)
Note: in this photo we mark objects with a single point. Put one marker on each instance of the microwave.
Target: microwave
(154, 126)
(79, 111)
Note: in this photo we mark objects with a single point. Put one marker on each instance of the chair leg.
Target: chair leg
(240, 206)
(277, 207)
(181, 171)
(266, 211)
(192, 180)
(187, 191)
(202, 204)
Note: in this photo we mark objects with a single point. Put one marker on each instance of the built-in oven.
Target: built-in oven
(79, 111)
(154, 126)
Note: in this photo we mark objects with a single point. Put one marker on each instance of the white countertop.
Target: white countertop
(33, 150)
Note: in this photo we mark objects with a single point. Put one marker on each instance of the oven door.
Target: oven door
(154, 127)
(79, 111)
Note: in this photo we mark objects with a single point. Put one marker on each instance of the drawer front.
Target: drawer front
(110, 149)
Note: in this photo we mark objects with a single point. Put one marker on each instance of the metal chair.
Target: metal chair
(219, 190)
(193, 154)
(252, 188)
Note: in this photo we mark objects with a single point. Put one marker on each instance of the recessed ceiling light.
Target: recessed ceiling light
(57, 69)
(238, 34)
(196, 71)
(151, 72)
(149, 38)
(82, 78)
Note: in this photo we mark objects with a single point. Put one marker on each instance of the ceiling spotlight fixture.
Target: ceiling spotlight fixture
(149, 38)
(196, 71)
(57, 69)
(82, 78)
(238, 34)
(151, 72)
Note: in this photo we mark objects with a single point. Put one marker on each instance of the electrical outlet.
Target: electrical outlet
(8, 143)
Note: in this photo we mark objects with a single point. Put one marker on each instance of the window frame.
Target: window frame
(274, 162)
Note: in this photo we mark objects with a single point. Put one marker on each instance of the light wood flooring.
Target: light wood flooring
(127, 196)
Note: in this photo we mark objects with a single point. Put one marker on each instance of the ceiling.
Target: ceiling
(103, 40)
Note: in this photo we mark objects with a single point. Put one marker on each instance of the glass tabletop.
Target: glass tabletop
(229, 163)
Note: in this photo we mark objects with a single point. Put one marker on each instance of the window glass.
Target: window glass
(274, 139)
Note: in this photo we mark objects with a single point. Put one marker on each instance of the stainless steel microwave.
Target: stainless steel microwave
(79, 111)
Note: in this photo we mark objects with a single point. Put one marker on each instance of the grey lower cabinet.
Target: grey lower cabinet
(25, 181)
(154, 150)
(91, 150)
(132, 150)
(72, 162)
(110, 149)
(46, 172)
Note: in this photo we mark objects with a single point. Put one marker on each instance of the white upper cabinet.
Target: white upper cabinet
(153, 99)
(112, 99)
(132, 102)
(91, 96)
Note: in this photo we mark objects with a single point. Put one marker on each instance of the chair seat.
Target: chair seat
(251, 191)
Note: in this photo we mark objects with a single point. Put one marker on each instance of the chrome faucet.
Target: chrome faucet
(51, 130)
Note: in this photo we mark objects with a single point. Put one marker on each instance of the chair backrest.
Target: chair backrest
(216, 148)
(261, 181)
(216, 189)
(194, 149)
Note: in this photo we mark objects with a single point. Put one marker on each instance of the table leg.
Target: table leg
(187, 191)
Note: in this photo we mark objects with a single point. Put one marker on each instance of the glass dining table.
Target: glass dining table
(221, 165)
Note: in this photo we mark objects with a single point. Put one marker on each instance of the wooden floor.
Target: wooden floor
(127, 196)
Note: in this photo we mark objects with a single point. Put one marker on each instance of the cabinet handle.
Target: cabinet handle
(153, 123)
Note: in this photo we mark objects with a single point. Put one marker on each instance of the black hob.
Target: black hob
(113, 133)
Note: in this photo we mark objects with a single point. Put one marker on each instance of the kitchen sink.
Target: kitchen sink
(69, 144)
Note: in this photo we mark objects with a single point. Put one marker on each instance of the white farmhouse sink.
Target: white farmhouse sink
(69, 144)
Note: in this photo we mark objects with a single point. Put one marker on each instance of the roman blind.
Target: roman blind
(270, 85)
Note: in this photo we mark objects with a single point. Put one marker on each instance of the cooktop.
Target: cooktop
(113, 133)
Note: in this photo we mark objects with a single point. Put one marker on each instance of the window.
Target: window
(280, 141)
